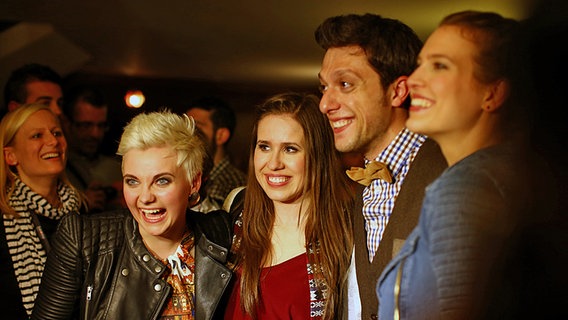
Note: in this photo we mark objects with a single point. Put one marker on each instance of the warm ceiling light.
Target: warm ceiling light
(134, 98)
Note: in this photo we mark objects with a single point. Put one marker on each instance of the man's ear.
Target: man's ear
(10, 157)
(399, 91)
(222, 135)
(496, 96)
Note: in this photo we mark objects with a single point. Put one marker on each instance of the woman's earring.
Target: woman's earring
(194, 199)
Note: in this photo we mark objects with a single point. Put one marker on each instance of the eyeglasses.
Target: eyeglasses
(88, 126)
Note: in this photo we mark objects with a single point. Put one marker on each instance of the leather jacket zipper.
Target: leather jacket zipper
(88, 297)
(89, 293)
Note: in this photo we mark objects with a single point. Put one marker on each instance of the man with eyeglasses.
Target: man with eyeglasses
(98, 175)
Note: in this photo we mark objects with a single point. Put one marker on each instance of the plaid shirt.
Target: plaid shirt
(380, 196)
(223, 178)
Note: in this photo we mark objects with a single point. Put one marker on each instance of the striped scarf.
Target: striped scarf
(27, 251)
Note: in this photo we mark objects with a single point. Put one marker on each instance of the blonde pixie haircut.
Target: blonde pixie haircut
(166, 129)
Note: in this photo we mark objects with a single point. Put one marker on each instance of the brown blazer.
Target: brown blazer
(427, 166)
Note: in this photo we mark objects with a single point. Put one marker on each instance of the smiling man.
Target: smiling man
(365, 96)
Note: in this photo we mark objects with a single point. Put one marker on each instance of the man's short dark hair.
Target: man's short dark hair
(222, 115)
(87, 94)
(15, 88)
(391, 46)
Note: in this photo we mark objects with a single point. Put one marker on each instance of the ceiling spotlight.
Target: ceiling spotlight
(134, 98)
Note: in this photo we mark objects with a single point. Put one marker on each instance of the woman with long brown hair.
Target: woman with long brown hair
(293, 241)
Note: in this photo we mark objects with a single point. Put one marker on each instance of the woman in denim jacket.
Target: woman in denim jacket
(463, 261)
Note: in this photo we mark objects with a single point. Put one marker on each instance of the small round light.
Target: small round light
(134, 98)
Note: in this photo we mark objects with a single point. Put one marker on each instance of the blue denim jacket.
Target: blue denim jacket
(453, 263)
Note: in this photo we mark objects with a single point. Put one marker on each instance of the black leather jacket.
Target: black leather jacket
(99, 268)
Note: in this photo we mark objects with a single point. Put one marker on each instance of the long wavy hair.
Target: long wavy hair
(328, 223)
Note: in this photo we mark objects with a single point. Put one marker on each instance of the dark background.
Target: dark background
(175, 94)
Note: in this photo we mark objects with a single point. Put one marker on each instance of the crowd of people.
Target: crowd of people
(458, 210)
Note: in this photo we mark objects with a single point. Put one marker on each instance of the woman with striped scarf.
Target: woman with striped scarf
(34, 195)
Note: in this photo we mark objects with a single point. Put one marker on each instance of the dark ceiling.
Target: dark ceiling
(178, 49)
(257, 41)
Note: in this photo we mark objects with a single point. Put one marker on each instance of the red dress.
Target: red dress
(284, 289)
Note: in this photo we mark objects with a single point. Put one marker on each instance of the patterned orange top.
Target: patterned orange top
(180, 275)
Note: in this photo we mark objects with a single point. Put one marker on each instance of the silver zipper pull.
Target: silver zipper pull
(89, 292)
